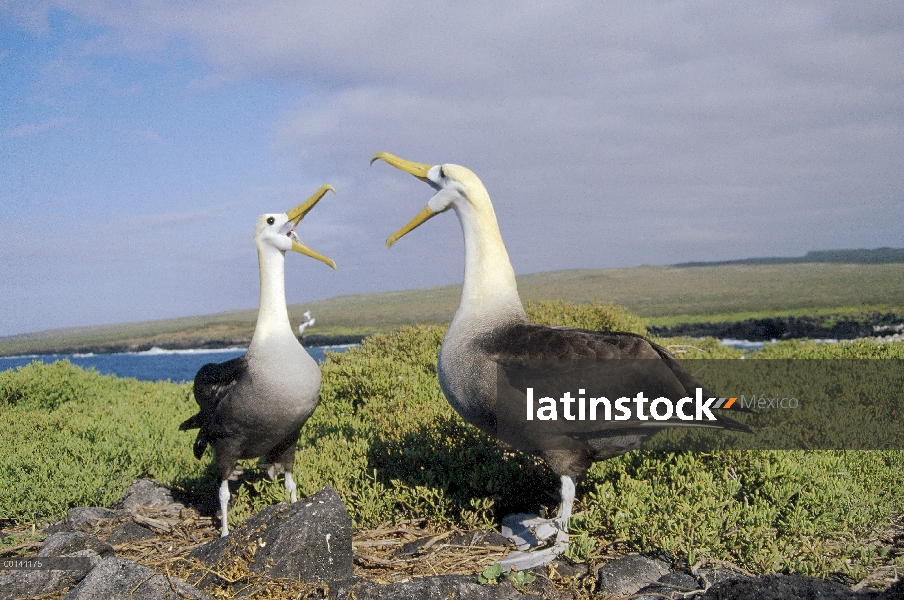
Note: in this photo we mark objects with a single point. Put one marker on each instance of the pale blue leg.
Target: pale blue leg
(224, 505)
(565, 507)
(290, 487)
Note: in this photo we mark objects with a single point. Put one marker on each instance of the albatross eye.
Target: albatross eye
(270, 220)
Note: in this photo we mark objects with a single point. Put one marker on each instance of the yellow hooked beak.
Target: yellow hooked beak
(297, 214)
(419, 170)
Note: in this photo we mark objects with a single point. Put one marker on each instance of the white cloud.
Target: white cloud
(608, 134)
(30, 129)
(775, 104)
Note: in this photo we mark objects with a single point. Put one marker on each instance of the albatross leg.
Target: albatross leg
(528, 558)
(290, 487)
(564, 513)
(224, 504)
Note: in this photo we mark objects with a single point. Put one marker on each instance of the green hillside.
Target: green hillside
(861, 256)
(663, 295)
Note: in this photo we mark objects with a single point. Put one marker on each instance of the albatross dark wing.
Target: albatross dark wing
(559, 345)
(212, 383)
(614, 364)
(529, 341)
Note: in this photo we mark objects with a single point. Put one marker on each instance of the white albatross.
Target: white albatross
(490, 327)
(255, 405)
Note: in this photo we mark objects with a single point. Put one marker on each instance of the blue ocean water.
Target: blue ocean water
(151, 365)
(181, 365)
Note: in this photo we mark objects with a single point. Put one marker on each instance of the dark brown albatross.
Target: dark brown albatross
(490, 328)
(255, 405)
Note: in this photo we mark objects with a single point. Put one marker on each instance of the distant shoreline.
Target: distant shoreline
(183, 344)
(754, 330)
(877, 256)
(668, 296)
(786, 328)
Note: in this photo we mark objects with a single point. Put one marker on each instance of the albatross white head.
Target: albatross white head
(274, 236)
(277, 231)
(490, 293)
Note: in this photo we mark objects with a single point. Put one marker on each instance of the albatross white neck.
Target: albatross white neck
(272, 316)
(489, 295)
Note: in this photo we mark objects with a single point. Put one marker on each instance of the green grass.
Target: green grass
(663, 295)
(804, 512)
(387, 440)
(70, 437)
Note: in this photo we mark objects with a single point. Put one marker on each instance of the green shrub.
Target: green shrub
(593, 315)
(47, 386)
(859, 349)
(806, 512)
(71, 437)
(695, 348)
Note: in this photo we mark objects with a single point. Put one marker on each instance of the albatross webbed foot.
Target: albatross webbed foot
(528, 532)
(534, 558)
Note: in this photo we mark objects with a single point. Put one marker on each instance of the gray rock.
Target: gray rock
(129, 532)
(781, 587)
(626, 575)
(57, 528)
(29, 583)
(464, 587)
(565, 568)
(710, 577)
(118, 579)
(896, 591)
(310, 540)
(63, 543)
(85, 516)
(145, 492)
(671, 585)
(680, 580)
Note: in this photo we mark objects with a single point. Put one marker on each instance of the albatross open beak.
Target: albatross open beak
(297, 214)
(419, 170)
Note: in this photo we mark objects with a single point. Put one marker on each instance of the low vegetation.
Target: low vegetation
(387, 440)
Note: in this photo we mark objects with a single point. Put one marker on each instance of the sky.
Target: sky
(139, 141)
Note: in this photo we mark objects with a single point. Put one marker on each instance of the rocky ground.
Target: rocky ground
(148, 545)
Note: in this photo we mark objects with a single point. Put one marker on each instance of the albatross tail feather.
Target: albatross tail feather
(197, 422)
(200, 444)
(194, 422)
